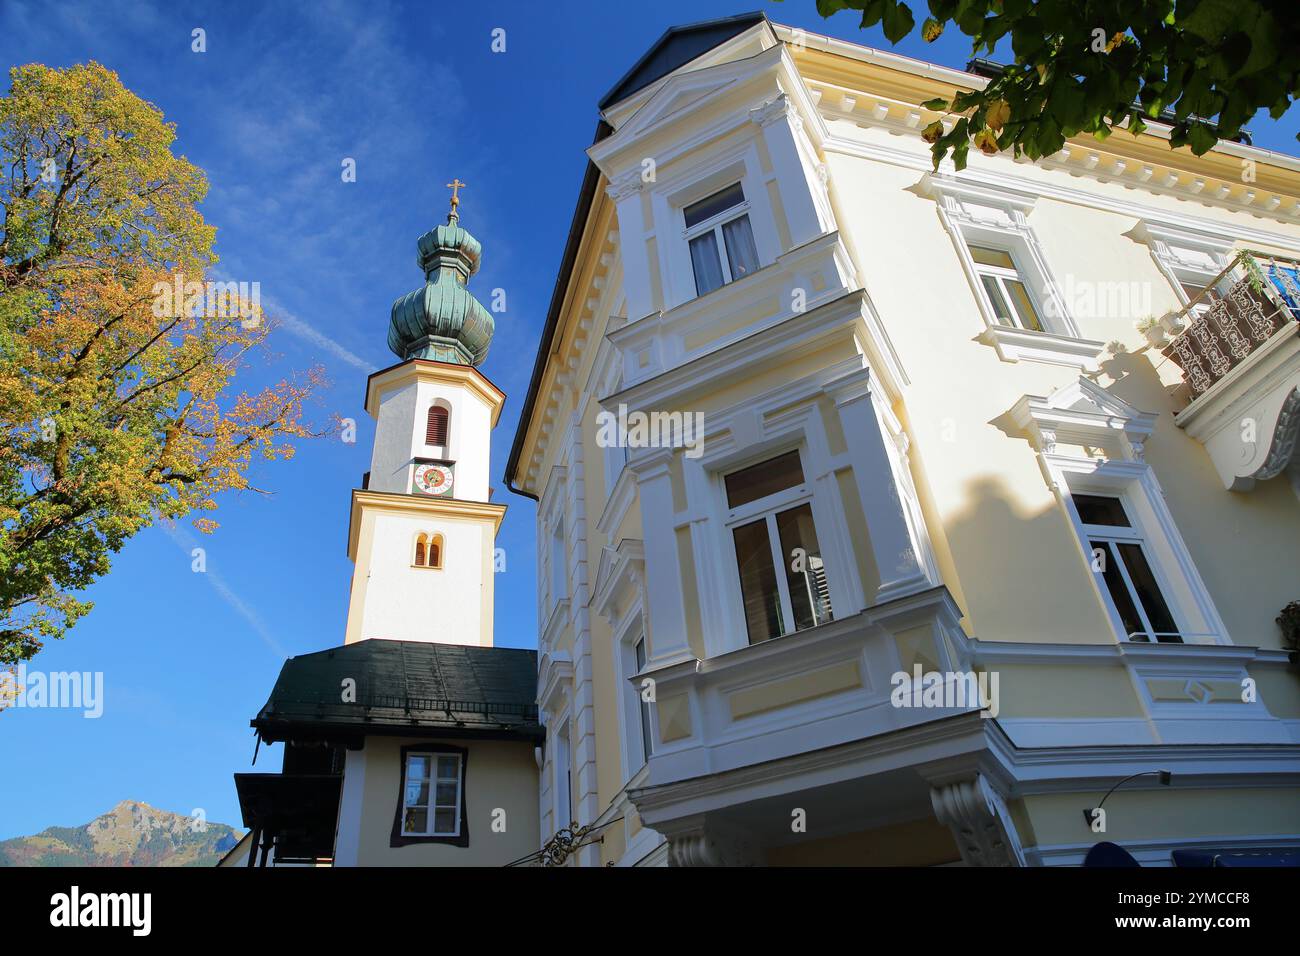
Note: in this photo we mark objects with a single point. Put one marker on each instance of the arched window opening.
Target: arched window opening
(435, 551)
(419, 550)
(435, 431)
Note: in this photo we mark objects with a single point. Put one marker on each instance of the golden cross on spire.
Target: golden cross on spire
(455, 186)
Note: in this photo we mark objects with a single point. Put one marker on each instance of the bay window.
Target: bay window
(720, 238)
(782, 575)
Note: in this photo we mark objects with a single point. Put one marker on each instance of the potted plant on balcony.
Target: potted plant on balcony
(1288, 623)
(1154, 330)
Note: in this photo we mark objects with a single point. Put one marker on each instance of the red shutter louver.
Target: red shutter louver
(435, 432)
(419, 552)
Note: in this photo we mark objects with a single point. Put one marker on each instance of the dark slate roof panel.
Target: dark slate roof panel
(406, 685)
(677, 47)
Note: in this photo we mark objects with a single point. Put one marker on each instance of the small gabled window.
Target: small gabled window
(435, 429)
(721, 239)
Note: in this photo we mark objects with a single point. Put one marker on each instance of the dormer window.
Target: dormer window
(435, 429)
(720, 238)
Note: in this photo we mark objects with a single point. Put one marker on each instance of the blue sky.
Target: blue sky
(285, 92)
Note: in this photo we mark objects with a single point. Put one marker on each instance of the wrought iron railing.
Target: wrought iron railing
(1249, 302)
(368, 706)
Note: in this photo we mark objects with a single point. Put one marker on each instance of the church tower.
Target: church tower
(423, 531)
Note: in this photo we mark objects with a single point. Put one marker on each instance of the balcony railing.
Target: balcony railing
(1248, 303)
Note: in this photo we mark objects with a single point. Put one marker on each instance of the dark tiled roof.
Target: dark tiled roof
(677, 47)
(404, 687)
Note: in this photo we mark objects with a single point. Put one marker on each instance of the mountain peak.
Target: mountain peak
(132, 833)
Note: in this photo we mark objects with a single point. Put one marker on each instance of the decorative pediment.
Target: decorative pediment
(1084, 413)
(619, 578)
(554, 678)
(977, 203)
(682, 94)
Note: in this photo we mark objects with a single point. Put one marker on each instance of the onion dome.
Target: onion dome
(441, 320)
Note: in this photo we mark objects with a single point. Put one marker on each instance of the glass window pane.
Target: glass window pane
(646, 741)
(758, 588)
(1106, 564)
(1024, 305)
(417, 767)
(417, 793)
(765, 478)
(1153, 602)
(741, 254)
(1101, 509)
(444, 821)
(1000, 308)
(448, 768)
(697, 212)
(810, 598)
(705, 262)
(446, 793)
(992, 257)
(415, 821)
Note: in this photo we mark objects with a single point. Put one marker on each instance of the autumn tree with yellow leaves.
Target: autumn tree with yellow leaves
(115, 401)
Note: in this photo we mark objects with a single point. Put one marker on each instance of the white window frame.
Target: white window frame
(1130, 534)
(768, 508)
(1134, 483)
(714, 225)
(1000, 275)
(563, 810)
(631, 711)
(431, 808)
(976, 213)
(674, 193)
(1084, 415)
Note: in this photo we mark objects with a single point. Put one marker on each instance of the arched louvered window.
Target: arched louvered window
(435, 431)
(428, 550)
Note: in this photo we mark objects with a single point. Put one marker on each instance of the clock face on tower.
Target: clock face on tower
(434, 478)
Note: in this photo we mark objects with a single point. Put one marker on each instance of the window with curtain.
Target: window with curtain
(721, 239)
(783, 584)
(435, 429)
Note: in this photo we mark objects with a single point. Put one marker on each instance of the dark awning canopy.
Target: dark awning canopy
(295, 812)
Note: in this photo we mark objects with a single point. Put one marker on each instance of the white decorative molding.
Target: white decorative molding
(1084, 413)
(978, 818)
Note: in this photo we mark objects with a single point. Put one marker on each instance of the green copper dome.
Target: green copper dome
(441, 320)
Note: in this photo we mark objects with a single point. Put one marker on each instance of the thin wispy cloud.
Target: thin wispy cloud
(187, 543)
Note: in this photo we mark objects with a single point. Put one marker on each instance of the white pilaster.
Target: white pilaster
(896, 537)
(782, 128)
(666, 631)
(347, 834)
